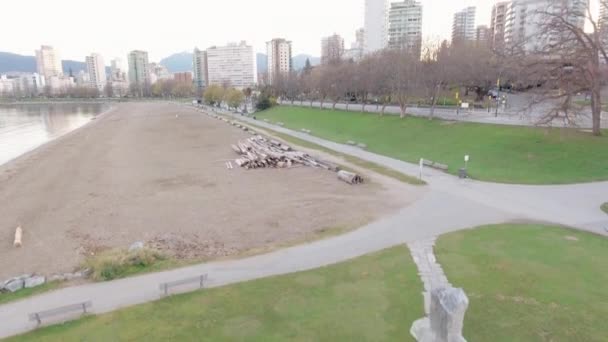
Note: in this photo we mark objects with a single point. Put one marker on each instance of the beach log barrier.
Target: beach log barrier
(349, 177)
(18, 237)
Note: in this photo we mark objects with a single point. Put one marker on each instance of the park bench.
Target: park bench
(435, 165)
(165, 287)
(79, 307)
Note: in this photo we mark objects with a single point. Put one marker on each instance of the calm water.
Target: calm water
(24, 127)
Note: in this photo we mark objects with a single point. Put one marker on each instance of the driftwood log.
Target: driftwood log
(259, 152)
(349, 177)
(18, 237)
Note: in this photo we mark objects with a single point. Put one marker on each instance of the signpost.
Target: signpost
(421, 167)
(466, 161)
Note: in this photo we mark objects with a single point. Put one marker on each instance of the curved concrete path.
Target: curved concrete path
(451, 205)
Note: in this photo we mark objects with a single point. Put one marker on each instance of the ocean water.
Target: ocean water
(23, 127)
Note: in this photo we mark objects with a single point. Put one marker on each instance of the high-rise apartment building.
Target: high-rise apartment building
(183, 77)
(482, 36)
(199, 66)
(498, 24)
(279, 58)
(332, 49)
(48, 62)
(525, 31)
(96, 70)
(405, 26)
(376, 25)
(117, 69)
(463, 28)
(359, 39)
(139, 72)
(158, 72)
(232, 65)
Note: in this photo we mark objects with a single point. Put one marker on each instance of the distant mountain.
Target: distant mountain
(298, 61)
(14, 62)
(261, 62)
(179, 62)
(74, 65)
(10, 62)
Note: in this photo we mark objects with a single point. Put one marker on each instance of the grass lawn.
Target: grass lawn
(498, 153)
(10, 297)
(372, 298)
(605, 207)
(529, 282)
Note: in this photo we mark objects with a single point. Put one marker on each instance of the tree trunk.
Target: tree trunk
(434, 101)
(322, 103)
(403, 108)
(333, 106)
(311, 101)
(383, 108)
(347, 103)
(596, 98)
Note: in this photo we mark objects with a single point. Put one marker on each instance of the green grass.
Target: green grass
(498, 153)
(353, 160)
(529, 282)
(120, 263)
(372, 298)
(11, 297)
(605, 207)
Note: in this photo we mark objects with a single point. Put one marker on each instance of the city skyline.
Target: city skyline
(437, 22)
(304, 27)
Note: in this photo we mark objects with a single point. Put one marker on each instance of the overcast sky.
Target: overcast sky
(114, 27)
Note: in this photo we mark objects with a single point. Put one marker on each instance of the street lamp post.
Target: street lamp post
(568, 70)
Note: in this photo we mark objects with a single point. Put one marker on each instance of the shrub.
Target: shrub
(265, 101)
(119, 263)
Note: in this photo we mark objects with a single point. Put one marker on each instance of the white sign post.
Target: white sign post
(421, 167)
(466, 161)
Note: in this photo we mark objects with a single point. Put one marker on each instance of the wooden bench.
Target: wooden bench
(79, 307)
(435, 165)
(165, 287)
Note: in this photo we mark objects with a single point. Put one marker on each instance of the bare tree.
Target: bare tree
(405, 78)
(108, 90)
(363, 80)
(381, 73)
(567, 63)
(436, 72)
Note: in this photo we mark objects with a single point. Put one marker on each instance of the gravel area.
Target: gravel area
(156, 173)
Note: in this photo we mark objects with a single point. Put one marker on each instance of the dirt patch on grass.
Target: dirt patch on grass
(141, 173)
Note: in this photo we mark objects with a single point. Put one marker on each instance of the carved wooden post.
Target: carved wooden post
(446, 318)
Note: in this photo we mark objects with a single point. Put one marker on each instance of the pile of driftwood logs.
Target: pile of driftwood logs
(259, 152)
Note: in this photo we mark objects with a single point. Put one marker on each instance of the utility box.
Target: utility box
(462, 173)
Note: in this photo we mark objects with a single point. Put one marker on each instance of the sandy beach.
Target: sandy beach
(156, 173)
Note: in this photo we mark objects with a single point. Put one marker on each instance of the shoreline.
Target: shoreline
(33, 150)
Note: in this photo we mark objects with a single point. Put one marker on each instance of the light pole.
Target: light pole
(567, 72)
(497, 96)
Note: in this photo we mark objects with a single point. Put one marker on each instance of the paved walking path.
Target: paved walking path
(450, 205)
(429, 270)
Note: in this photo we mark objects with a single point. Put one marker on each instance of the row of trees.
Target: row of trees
(567, 64)
(215, 95)
(396, 77)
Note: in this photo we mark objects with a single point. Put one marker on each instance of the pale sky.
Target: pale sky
(112, 28)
